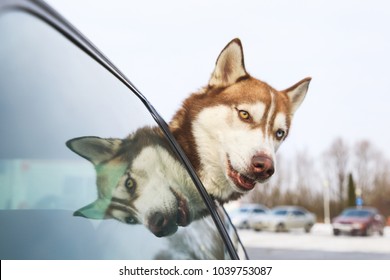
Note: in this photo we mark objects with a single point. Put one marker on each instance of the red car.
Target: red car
(363, 221)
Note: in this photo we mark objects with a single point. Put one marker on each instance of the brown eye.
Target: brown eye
(244, 114)
(130, 185)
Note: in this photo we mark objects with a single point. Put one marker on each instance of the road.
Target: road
(320, 244)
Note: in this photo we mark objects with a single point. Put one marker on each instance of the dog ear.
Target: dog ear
(94, 149)
(297, 93)
(95, 210)
(229, 66)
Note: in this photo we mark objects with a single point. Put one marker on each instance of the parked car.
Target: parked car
(284, 218)
(359, 221)
(55, 86)
(241, 216)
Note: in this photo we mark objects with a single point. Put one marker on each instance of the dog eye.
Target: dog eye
(244, 114)
(130, 220)
(280, 134)
(130, 185)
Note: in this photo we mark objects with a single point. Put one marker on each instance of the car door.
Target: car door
(55, 86)
(298, 219)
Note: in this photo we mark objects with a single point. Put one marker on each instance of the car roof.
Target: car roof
(252, 205)
(289, 207)
(365, 208)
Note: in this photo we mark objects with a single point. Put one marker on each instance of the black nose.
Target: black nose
(161, 225)
(263, 166)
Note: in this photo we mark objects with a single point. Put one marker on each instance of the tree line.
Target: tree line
(348, 173)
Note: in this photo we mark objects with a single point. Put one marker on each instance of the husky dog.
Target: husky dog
(231, 129)
(230, 132)
(140, 181)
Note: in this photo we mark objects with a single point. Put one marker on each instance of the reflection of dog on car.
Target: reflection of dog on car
(230, 131)
(139, 180)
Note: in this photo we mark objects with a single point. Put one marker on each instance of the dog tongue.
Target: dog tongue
(245, 183)
(240, 180)
(182, 214)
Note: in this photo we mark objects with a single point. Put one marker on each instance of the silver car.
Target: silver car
(284, 218)
(241, 216)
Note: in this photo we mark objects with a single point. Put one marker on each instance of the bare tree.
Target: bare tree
(366, 165)
(298, 181)
(372, 169)
(336, 162)
(379, 196)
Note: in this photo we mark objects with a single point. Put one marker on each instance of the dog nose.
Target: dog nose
(160, 225)
(157, 223)
(263, 166)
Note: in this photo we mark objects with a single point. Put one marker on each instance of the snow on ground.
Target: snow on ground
(320, 238)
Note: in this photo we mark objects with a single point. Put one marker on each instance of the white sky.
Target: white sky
(168, 50)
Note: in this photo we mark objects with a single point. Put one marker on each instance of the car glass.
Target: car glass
(346, 213)
(280, 212)
(298, 213)
(357, 213)
(363, 213)
(73, 184)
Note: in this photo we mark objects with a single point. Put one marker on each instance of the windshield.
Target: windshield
(357, 213)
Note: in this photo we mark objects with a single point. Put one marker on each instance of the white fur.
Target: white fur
(220, 133)
(271, 112)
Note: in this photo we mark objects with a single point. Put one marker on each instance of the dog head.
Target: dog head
(139, 181)
(237, 124)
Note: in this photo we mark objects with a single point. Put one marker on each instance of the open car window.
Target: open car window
(85, 170)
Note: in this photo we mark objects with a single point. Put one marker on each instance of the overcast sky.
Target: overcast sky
(168, 50)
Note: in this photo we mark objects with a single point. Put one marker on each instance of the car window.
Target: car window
(280, 212)
(298, 213)
(259, 211)
(357, 213)
(84, 168)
